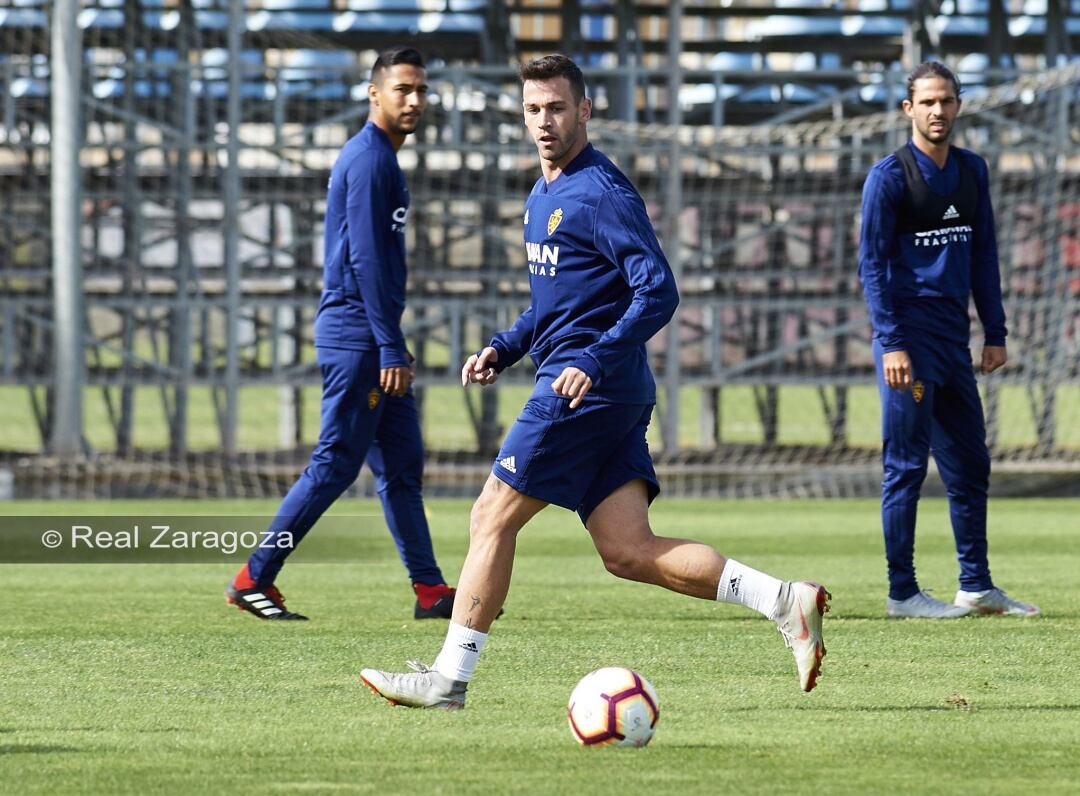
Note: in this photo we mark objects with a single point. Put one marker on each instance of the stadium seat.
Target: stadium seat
(317, 74)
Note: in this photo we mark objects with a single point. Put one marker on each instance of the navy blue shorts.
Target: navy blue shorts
(575, 458)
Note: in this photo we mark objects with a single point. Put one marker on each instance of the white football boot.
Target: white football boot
(422, 688)
(923, 606)
(801, 606)
(994, 601)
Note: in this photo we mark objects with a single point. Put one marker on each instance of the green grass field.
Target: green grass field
(124, 679)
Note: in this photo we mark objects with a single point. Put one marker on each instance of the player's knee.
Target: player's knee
(904, 478)
(332, 468)
(972, 476)
(630, 562)
(488, 521)
(625, 567)
(408, 481)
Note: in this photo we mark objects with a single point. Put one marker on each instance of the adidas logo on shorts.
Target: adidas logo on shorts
(508, 464)
(950, 214)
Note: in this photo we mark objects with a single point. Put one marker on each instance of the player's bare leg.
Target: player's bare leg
(497, 516)
(621, 532)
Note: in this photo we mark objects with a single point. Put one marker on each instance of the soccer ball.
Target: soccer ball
(613, 706)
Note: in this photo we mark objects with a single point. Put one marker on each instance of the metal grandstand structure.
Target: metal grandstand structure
(201, 135)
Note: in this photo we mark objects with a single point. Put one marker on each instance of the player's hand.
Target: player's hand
(993, 357)
(478, 370)
(573, 384)
(395, 381)
(896, 366)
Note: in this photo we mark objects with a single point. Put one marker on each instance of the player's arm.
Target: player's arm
(986, 277)
(369, 216)
(881, 195)
(515, 342)
(505, 349)
(623, 234)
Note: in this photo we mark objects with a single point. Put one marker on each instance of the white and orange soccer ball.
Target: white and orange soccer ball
(613, 706)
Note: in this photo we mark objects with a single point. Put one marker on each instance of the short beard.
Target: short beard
(556, 157)
(400, 130)
(935, 138)
(568, 144)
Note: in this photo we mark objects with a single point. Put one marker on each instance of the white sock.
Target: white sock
(741, 585)
(459, 653)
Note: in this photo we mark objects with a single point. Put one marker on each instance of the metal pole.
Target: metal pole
(673, 210)
(1057, 279)
(70, 360)
(232, 233)
(180, 338)
(132, 225)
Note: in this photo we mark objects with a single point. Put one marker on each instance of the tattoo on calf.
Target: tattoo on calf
(475, 603)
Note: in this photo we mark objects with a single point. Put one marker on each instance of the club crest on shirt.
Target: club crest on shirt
(554, 220)
(917, 390)
(373, 398)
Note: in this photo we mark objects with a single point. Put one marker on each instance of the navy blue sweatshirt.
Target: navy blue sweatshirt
(917, 286)
(601, 286)
(363, 295)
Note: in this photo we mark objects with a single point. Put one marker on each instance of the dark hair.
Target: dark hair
(555, 66)
(394, 56)
(931, 69)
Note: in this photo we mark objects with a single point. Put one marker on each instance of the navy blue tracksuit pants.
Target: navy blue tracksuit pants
(943, 414)
(359, 423)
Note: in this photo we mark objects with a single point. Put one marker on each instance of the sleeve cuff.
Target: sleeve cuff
(499, 365)
(589, 366)
(995, 340)
(392, 357)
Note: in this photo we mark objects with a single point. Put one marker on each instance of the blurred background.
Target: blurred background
(163, 167)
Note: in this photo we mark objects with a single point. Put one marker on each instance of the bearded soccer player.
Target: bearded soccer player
(368, 409)
(928, 244)
(601, 288)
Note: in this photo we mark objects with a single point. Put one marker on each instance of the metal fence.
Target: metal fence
(190, 211)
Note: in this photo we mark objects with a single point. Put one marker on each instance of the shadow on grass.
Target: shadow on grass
(1018, 621)
(974, 708)
(34, 749)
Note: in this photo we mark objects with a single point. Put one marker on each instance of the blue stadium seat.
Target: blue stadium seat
(432, 22)
(214, 82)
(23, 18)
(454, 6)
(971, 70)
(965, 7)
(36, 84)
(873, 26)
(149, 83)
(963, 26)
(705, 93)
(782, 25)
(317, 74)
(292, 5)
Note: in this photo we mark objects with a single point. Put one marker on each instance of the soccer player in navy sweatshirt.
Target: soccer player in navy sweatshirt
(368, 409)
(928, 244)
(601, 287)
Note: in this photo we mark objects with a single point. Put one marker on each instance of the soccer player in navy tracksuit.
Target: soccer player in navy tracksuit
(368, 409)
(928, 244)
(601, 288)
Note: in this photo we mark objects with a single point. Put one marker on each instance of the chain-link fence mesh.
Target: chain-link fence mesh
(201, 193)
